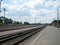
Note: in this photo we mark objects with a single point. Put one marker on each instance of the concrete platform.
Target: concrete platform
(49, 36)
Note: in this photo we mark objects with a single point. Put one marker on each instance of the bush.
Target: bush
(16, 23)
(1, 23)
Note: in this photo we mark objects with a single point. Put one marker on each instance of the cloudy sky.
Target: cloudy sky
(39, 11)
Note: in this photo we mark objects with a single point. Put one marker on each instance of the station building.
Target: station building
(56, 23)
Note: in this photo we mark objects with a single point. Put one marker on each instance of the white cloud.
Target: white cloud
(55, 4)
(32, 3)
(14, 2)
(40, 14)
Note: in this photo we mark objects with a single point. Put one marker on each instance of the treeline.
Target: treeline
(6, 21)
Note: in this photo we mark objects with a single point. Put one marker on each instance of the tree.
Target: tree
(26, 23)
(20, 23)
(8, 21)
(1, 21)
(16, 23)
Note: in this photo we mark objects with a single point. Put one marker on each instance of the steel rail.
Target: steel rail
(19, 36)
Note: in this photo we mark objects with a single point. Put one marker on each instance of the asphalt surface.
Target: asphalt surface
(49, 36)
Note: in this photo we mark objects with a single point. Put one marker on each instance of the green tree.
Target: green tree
(1, 21)
(16, 23)
(20, 23)
(8, 21)
(26, 23)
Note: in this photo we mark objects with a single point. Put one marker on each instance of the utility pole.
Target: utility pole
(35, 19)
(0, 5)
(4, 14)
(57, 16)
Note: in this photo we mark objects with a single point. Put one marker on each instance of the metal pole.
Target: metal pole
(34, 19)
(4, 14)
(57, 16)
(0, 6)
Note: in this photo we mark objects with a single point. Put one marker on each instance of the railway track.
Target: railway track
(15, 38)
